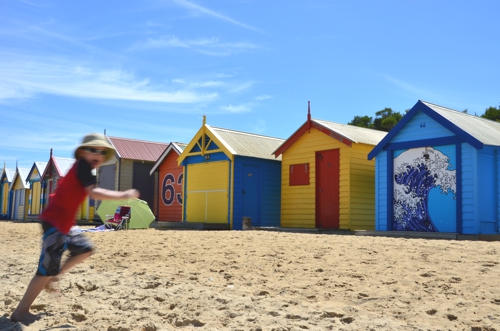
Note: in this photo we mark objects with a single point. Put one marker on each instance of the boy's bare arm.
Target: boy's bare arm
(104, 194)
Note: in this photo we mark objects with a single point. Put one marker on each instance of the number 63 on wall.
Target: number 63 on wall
(169, 184)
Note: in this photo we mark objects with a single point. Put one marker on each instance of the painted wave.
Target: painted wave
(417, 172)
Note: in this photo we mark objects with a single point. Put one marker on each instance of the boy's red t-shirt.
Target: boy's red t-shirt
(69, 194)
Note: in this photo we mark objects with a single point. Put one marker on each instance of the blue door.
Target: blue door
(250, 194)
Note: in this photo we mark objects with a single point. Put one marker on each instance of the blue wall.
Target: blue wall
(269, 195)
(381, 189)
(477, 175)
(488, 189)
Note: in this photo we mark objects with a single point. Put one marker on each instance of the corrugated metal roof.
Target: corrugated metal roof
(138, 149)
(248, 144)
(63, 165)
(354, 133)
(484, 130)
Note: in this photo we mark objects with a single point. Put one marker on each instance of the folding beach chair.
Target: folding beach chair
(119, 220)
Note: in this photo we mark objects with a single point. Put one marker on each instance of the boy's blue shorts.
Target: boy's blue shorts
(53, 246)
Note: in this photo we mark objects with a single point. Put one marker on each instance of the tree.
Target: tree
(385, 120)
(492, 113)
(362, 121)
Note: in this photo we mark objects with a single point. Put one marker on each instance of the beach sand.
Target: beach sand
(257, 280)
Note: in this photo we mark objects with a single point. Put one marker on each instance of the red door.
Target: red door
(327, 189)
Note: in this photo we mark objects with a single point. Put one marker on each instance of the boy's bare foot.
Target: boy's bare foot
(26, 318)
(49, 287)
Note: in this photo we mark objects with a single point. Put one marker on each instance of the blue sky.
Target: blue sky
(151, 69)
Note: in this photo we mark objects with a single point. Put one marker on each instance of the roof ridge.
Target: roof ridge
(348, 125)
(246, 133)
(139, 140)
(458, 111)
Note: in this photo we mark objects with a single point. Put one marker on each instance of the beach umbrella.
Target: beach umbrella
(141, 215)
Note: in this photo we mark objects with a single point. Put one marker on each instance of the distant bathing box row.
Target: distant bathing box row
(437, 170)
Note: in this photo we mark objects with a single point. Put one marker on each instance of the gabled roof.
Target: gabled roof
(137, 149)
(347, 134)
(60, 164)
(172, 147)
(8, 174)
(484, 130)
(476, 131)
(20, 175)
(353, 133)
(247, 144)
(39, 167)
(231, 143)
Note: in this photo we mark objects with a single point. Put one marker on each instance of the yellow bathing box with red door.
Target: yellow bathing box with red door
(327, 180)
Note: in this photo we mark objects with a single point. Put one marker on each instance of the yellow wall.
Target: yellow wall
(81, 213)
(362, 186)
(298, 203)
(207, 192)
(5, 188)
(36, 191)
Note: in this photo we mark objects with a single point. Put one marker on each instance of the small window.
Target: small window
(299, 174)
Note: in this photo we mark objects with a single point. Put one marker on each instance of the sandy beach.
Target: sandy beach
(257, 280)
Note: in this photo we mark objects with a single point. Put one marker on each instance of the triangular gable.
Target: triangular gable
(206, 141)
(36, 171)
(424, 108)
(306, 127)
(60, 165)
(7, 175)
(177, 148)
(20, 176)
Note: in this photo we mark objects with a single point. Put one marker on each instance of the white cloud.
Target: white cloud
(246, 107)
(209, 12)
(31, 3)
(262, 97)
(8, 93)
(414, 90)
(208, 46)
(260, 127)
(243, 108)
(241, 87)
(198, 84)
(24, 79)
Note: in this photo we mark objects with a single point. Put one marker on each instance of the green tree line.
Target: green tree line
(386, 118)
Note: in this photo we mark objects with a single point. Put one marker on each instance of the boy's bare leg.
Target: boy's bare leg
(22, 313)
(74, 260)
(37, 284)
(70, 263)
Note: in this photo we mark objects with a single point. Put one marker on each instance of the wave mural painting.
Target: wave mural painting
(425, 189)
